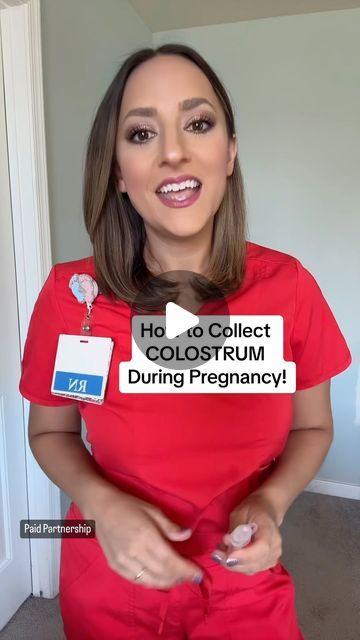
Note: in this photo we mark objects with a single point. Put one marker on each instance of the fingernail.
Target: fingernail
(197, 579)
(231, 562)
(217, 557)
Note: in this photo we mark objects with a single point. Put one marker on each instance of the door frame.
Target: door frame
(24, 106)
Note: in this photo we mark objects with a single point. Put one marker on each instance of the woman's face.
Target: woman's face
(181, 142)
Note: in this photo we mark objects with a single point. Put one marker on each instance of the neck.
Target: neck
(163, 254)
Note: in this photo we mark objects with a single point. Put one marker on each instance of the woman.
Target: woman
(170, 476)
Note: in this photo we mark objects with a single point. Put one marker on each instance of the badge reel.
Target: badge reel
(82, 361)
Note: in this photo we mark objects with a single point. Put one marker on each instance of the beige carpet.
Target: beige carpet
(321, 537)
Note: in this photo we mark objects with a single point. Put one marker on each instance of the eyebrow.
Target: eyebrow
(185, 105)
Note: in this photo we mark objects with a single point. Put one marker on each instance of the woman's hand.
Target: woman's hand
(132, 534)
(265, 548)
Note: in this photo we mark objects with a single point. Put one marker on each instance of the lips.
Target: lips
(176, 180)
(180, 199)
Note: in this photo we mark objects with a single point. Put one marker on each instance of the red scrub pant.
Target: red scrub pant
(101, 605)
(98, 604)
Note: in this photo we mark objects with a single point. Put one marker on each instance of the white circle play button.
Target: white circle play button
(177, 334)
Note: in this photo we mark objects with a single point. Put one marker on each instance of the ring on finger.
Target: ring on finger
(138, 575)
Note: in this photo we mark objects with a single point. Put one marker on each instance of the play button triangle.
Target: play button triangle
(178, 320)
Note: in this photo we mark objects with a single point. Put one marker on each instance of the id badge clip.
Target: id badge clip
(82, 367)
(82, 361)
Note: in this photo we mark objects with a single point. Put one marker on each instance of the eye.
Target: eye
(140, 132)
(200, 121)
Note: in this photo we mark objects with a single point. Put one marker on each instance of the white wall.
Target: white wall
(295, 85)
(83, 44)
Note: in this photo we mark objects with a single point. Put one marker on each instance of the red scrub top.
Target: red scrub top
(193, 455)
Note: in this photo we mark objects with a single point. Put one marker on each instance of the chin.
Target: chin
(184, 226)
(183, 231)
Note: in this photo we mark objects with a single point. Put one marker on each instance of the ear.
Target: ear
(119, 178)
(231, 155)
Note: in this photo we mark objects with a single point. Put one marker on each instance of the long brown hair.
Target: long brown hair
(117, 230)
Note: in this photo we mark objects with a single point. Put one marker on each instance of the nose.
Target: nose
(173, 148)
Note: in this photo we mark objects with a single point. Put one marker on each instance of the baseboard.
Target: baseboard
(338, 489)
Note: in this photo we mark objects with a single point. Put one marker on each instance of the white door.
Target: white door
(15, 574)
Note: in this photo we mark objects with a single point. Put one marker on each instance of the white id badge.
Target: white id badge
(82, 367)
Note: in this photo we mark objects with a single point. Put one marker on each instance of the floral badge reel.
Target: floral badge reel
(85, 290)
(82, 363)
